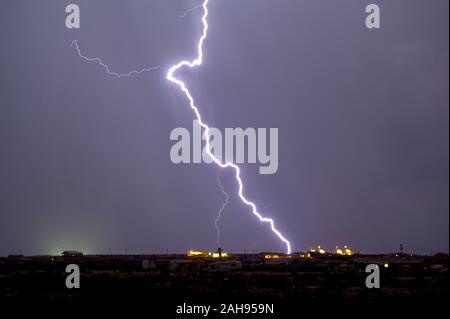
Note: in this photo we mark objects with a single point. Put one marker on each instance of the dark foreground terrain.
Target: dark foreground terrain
(159, 284)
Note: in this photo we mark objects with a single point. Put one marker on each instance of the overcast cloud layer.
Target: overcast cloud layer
(363, 118)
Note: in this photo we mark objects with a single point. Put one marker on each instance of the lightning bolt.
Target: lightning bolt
(182, 86)
(74, 44)
(219, 215)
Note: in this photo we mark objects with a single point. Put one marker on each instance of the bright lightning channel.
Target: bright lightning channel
(172, 78)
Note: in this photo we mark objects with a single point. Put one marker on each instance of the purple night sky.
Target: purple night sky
(363, 118)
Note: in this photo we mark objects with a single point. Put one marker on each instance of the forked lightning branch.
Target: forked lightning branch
(212, 137)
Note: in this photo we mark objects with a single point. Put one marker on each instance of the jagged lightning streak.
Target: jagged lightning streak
(189, 11)
(74, 44)
(219, 215)
(172, 78)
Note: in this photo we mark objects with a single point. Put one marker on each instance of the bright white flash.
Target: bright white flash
(172, 78)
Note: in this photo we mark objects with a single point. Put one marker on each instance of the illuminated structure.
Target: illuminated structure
(208, 254)
(277, 259)
(319, 250)
(272, 256)
(220, 255)
(344, 252)
(72, 253)
(314, 252)
(194, 253)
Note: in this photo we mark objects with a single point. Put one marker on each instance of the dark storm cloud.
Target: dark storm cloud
(363, 120)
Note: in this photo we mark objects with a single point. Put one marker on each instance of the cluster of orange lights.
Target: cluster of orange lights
(276, 256)
(318, 250)
(207, 254)
(272, 256)
(344, 252)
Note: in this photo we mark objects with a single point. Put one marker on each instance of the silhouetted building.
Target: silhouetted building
(72, 253)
